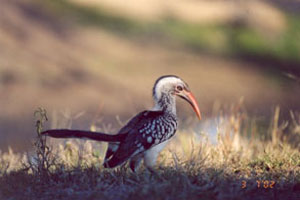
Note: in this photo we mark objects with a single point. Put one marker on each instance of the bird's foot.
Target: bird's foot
(154, 174)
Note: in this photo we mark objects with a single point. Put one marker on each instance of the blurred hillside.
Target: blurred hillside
(102, 58)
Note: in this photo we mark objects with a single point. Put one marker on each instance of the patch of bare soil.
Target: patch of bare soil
(46, 61)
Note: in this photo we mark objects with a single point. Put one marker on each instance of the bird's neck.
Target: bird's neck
(166, 103)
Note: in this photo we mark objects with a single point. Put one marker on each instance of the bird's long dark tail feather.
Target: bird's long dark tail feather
(67, 133)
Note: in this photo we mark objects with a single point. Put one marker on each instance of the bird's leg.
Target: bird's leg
(135, 162)
(154, 173)
(150, 161)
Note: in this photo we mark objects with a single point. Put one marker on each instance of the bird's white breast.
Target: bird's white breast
(150, 156)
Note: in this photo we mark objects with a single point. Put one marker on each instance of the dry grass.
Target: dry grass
(84, 67)
(62, 63)
(190, 168)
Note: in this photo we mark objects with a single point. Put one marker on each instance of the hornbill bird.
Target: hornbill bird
(146, 134)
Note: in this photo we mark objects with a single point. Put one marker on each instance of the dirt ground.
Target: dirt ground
(48, 62)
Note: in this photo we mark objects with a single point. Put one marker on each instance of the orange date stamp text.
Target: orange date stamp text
(260, 184)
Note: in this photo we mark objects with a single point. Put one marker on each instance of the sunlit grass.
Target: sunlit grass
(190, 168)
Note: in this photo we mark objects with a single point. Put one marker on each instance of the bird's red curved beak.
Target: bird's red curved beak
(189, 97)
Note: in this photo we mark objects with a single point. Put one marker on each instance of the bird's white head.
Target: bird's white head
(166, 88)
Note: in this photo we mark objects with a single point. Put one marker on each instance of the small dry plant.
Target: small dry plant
(43, 160)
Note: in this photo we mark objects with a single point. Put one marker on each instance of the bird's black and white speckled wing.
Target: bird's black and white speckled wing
(146, 130)
(113, 146)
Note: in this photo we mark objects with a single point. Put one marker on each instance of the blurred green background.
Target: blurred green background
(94, 62)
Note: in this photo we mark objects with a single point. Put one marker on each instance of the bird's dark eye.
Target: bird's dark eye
(179, 88)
